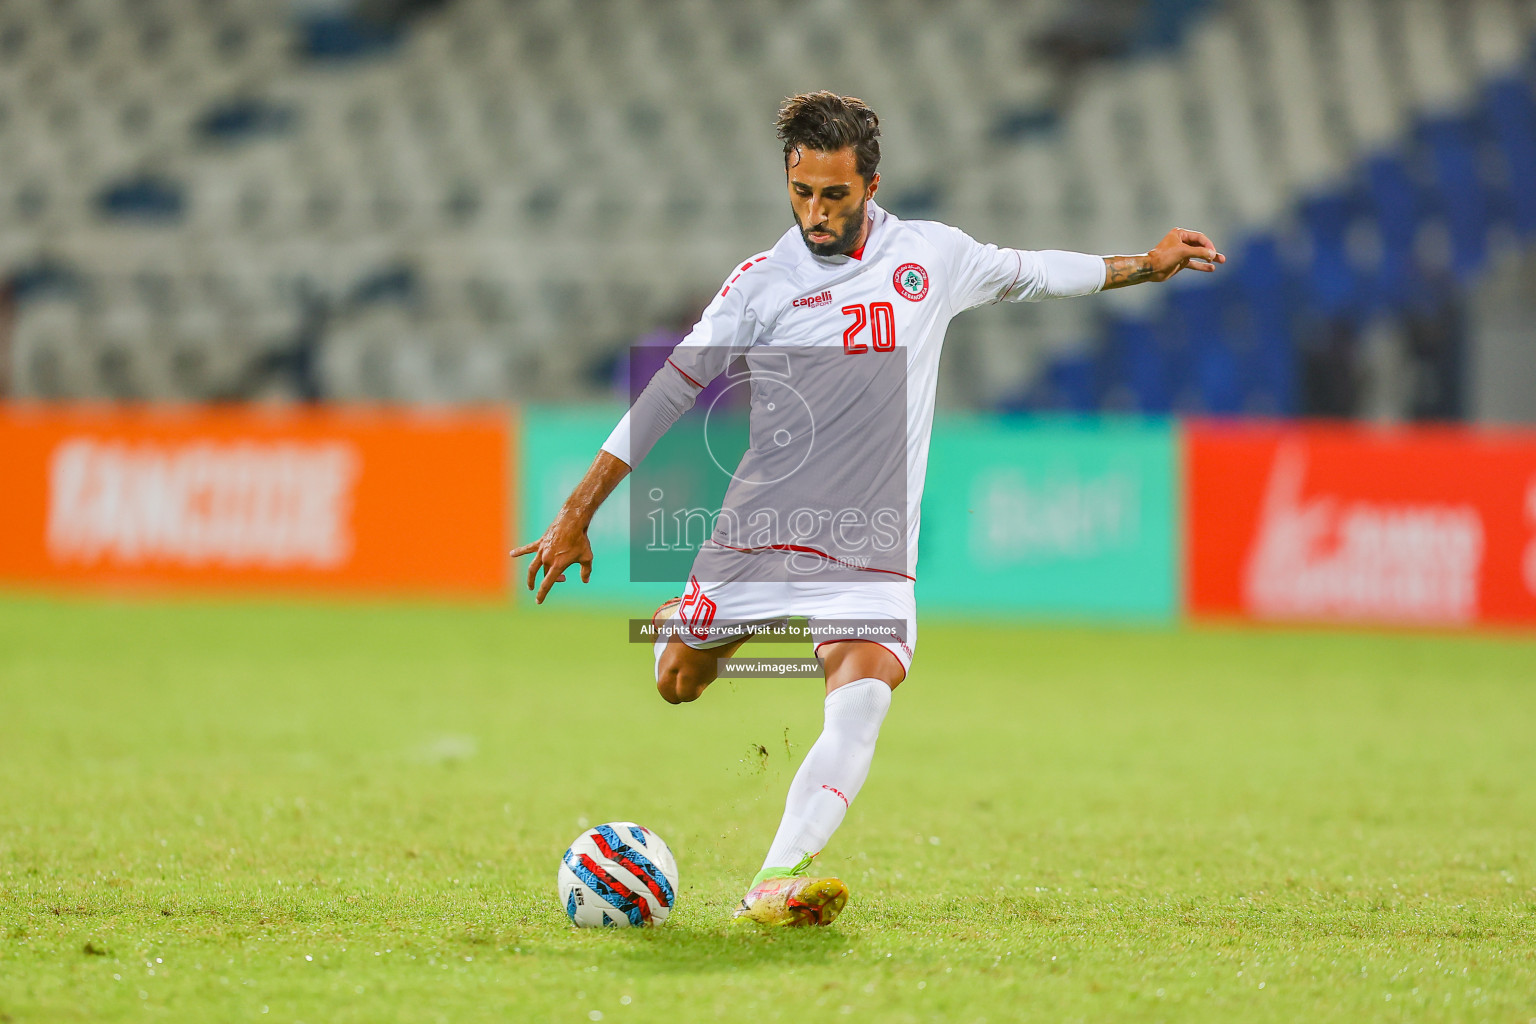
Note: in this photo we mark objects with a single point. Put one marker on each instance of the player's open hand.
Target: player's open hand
(1181, 248)
(563, 545)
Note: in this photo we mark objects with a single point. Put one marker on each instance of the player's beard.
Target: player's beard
(841, 243)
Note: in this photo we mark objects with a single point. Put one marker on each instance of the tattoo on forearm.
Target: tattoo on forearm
(1127, 270)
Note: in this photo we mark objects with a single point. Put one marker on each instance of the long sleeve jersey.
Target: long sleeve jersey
(843, 361)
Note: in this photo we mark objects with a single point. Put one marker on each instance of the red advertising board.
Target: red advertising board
(1408, 526)
(248, 498)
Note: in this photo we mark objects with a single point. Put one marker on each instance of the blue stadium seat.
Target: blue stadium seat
(1511, 115)
(1263, 288)
(338, 37)
(1460, 193)
(1333, 287)
(1142, 364)
(1199, 319)
(144, 197)
(1073, 383)
(1396, 202)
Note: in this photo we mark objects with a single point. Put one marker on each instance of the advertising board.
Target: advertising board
(241, 497)
(1073, 519)
(1422, 526)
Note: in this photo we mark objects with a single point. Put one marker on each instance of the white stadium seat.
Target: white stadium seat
(543, 157)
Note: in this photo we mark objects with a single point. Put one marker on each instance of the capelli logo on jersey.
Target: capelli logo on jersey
(812, 301)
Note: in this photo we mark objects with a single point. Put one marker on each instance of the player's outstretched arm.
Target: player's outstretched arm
(1179, 248)
(565, 543)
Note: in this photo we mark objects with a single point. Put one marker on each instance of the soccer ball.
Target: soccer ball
(617, 875)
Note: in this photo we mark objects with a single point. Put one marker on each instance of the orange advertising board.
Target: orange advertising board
(251, 498)
(1432, 526)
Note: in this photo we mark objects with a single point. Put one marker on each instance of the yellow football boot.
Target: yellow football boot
(791, 898)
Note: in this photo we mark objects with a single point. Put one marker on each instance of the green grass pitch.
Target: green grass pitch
(245, 810)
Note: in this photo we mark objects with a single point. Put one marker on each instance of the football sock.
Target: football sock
(832, 773)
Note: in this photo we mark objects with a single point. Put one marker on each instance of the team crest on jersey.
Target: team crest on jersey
(911, 280)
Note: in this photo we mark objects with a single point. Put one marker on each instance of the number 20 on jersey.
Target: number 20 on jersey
(880, 318)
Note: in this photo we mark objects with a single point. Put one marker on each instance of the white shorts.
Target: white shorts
(766, 603)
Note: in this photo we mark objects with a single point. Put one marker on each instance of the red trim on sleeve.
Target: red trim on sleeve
(1019, 258)
(679, 369)
(744, 268)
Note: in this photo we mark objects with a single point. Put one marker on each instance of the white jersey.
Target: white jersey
(893, 303)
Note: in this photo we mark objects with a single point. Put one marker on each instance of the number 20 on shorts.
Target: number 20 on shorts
(880, 318)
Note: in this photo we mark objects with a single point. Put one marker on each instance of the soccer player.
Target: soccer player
(820, 519)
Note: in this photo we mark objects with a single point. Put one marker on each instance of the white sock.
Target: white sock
(833, 771)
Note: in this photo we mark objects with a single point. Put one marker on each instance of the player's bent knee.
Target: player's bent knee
(677, 687)
(666, 685)
(679, 682)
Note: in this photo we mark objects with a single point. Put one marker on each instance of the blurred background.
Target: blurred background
(343, 293)
(456, 201)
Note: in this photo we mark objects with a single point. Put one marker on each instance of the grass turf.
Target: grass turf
(244, 810)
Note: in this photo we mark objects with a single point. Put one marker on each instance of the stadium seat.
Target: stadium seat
(1398, 208)
(47, 350)
(1511, 114)
(545, 157)
(1143, 364)
(1459, 189)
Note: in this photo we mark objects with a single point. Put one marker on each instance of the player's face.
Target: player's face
(828, 196)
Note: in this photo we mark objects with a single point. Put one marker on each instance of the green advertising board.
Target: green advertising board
(1055, 519)
(1052, 519)
(558, 444)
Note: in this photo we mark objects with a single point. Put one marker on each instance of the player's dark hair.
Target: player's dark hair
(828, 122)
